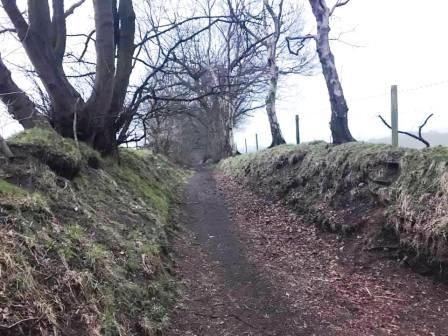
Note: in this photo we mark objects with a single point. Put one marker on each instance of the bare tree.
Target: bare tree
(269, 28)
(44, 38)
(339, 108)
(213, 65)
(211, 73)
(269, 37)
(273, 70)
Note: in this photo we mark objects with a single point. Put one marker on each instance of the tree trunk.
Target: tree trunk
(125, 52)
(229, 140)
(20, 107)
(37, 39)
(277, 137)
(99, 103)
(339, 109)
(115, 35)
(271, 98)
(4, 149)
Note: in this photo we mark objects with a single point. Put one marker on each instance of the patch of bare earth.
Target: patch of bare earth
(345, 290)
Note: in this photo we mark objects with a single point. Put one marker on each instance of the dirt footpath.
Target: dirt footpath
(251, 267)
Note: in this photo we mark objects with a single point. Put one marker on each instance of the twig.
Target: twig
(5, 327)
(72, 9)
(388, 298)
(75, 123)
(367, 290)
(301, 40)
(424, 124)
(339, 3)
(243, 321)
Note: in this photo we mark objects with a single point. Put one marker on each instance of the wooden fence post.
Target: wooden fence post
(394, 115)
(245, 144)
(297, 130)
(256, 141)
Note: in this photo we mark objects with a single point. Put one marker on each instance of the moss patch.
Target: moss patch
(8, 189)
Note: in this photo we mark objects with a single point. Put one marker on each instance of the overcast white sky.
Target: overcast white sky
(400, 42)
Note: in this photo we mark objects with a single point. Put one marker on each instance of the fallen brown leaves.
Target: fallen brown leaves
(349, 291)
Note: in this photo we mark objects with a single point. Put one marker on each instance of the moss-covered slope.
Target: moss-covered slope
(344, 188)
(83, 240)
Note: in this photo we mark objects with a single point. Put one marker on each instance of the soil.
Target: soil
(253, 267)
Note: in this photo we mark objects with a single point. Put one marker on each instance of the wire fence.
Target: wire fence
(415, 104)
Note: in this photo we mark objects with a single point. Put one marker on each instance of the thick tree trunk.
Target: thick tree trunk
(125, 51)
(20, 107)
(59, 30)
(339, 109)
(99, 103)
(115, 34)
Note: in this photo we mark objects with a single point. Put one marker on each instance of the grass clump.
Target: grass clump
(8, 189)
(89, 257)
(48, 140)
(60, 154)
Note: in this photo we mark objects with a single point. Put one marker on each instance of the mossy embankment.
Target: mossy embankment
(398, 196)
(84, 241)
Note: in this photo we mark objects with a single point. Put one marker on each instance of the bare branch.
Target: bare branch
(72, 9)
(338, 3)
(7, 30)
(420, 128)
(301, 40)
(16, 17)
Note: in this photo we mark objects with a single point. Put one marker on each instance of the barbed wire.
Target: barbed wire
(425, 86)
(401, 90)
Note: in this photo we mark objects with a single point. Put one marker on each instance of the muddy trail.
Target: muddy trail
(252, 267)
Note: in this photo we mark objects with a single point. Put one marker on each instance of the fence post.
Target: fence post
(256, 141)
(394, 115)
(245, 144)
(297, 130)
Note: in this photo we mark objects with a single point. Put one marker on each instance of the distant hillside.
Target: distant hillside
(434, 138)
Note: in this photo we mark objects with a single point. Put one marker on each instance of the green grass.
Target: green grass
(49, 140)
(9, 189)
(88, 251)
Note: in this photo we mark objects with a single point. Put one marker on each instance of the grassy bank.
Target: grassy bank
(84, 240)
(399, 193)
